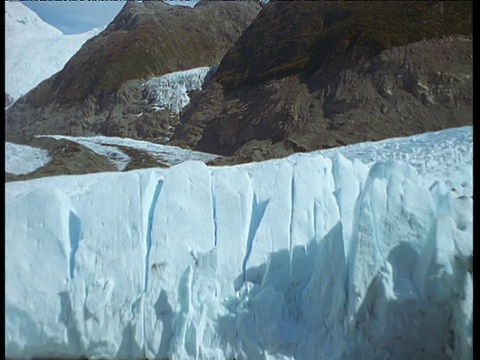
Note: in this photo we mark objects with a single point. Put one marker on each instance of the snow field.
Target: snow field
(23, 159)
(34, 49)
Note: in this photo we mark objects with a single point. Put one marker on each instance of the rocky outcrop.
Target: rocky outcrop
(325, 74)
(100, 89)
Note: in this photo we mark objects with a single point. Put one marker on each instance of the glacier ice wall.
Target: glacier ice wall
(170, 91)
(299, 258)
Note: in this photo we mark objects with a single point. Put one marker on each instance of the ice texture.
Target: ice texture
(306, 257)
(170, 91)
(24, 159)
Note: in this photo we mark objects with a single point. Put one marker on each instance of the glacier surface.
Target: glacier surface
(311, 256)
(34, 50)
(23, 159)
(170, 91)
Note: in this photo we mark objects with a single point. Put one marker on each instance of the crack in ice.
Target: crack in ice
(74, 236)
(256, 215)
(148, 235)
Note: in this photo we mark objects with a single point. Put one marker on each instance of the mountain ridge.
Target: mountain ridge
(100, 88)
(341, 86)
(298, 76)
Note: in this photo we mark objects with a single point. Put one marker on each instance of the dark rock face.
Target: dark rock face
(100, 88)
(302, 37)
(359, 72)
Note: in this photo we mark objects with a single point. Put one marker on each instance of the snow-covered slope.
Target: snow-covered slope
(308, 257)
(34, 50)
(22, 159)
(108, 146)
(170, 91)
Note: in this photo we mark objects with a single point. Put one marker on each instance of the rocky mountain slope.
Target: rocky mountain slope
(313, 75)
(100, 88)
(292, 76)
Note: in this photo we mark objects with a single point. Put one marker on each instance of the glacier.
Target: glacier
(24, 159)
(318, 255)
(34, 49)
(170, 91)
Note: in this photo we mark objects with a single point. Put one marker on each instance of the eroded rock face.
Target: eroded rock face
(340, 87)
(100, 90)
(420, 87)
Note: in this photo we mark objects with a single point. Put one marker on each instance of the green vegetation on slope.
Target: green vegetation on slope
(291, 37)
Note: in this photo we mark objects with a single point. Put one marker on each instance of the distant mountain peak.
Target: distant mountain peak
(99, 89)
(19, 18)
(34, 49)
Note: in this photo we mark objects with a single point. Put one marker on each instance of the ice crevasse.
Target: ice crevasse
(300, 258)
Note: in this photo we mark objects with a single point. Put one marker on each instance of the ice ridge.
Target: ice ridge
(347, 261)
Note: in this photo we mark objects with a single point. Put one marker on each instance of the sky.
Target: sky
(73, 17)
